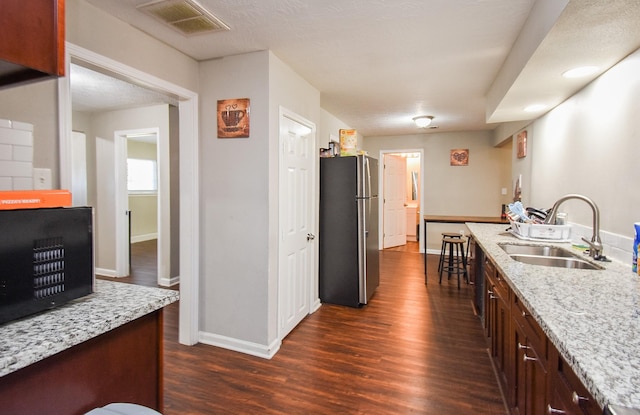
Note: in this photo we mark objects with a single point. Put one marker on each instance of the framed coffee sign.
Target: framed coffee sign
(233, 118)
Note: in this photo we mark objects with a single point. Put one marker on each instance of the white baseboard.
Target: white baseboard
(169, 282)
(106, 272)
(242, 346)
(315, 306)
(142, 238)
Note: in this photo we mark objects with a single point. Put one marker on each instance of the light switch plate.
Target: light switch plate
(41, 179)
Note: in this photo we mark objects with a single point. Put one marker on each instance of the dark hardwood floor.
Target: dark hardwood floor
(414, 349)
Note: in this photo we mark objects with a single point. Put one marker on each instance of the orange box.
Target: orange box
(32, 199)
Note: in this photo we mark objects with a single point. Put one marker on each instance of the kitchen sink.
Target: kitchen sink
(550, 256)
(539, 250)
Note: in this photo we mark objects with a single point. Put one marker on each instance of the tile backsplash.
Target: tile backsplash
(16, 155)
(616, 247)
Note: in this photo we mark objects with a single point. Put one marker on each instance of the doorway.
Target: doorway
(189, 255)
(402, 203)
(139, 191)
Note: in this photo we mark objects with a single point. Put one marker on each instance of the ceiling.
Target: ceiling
(378, 63)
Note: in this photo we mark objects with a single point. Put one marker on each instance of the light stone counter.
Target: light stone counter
(591, 316)
(113, 304)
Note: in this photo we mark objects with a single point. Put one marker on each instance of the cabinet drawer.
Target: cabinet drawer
(523, 318)
(568, 391)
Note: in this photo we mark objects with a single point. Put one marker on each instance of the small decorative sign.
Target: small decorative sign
(459, 157)
(233, 118)
(522, 144)
(348, 142)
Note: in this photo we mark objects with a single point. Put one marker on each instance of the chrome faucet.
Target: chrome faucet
(595, 244)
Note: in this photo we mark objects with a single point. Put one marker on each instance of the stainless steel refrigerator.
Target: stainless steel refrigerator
(348, 237)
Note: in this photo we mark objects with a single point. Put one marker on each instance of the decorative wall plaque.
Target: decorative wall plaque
(459, 157)
(233, 118)
(522, 144)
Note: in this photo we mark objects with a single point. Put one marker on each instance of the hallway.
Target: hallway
(413, 349)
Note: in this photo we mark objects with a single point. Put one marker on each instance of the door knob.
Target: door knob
(310, 237)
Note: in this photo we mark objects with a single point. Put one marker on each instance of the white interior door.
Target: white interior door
(394, 217)
(297, 244)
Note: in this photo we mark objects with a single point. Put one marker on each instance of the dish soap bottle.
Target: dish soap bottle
(636, 244)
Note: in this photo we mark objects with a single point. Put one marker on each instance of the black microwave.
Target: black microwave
(46, 259)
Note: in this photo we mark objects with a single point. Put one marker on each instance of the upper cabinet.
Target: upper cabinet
(33, 39)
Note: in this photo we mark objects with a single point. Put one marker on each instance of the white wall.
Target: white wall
(36, 104)
(239, 195)
(103, 127)
(92, 29)
(590, 145)
(234, 203)
(473, 190)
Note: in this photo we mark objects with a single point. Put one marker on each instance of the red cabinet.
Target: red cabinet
(33, 36)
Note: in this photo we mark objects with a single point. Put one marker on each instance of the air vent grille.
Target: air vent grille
(186, 16)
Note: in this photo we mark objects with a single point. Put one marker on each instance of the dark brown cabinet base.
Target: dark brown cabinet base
(123, 365)
(534, 377)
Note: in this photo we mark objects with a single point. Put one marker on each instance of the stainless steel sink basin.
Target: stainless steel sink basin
(541, 250)
(550, 256)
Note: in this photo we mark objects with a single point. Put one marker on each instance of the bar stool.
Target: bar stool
(456, 261)
(442, 248)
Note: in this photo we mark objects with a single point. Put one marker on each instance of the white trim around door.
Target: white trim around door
(189, 172)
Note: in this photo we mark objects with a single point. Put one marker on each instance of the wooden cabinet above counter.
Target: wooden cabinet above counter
(33, 40)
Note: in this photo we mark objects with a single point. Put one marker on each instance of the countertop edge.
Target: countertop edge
(113, 304)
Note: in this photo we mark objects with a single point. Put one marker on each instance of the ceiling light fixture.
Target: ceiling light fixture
(423, 121)
(580, 72)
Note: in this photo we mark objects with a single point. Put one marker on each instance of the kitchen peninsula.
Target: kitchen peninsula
(101, 348)
(589, 322)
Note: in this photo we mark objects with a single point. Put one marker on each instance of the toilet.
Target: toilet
(123, 409)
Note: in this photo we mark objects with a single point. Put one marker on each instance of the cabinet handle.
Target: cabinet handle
(491, 296)
(551, 410)
(524, 314)
(526, 359)
(575, 398)
(522, 346)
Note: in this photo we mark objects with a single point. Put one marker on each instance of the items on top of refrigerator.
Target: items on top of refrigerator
(348, 142)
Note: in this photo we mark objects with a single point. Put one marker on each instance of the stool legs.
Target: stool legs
(456, 260)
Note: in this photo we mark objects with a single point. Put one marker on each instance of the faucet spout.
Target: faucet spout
(595, 243)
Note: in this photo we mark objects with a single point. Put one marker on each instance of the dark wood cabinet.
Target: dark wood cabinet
(534, 377)
(529, 386)
(497, 321)
(33, 36)
(567, 395)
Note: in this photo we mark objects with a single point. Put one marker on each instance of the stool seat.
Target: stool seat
(455, 262)
(123, 409)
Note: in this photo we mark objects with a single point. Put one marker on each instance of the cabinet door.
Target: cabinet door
(530, 380)
(566, 391)
(32, 39)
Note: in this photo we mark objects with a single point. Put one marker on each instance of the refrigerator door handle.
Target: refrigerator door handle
(366, 162)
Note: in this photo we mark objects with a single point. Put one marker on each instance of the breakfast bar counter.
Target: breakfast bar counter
(101, 348)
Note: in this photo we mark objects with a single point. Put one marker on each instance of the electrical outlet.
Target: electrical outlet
(504, 191)
(41, 179)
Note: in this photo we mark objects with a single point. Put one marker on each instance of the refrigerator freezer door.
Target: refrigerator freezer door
(368, 253)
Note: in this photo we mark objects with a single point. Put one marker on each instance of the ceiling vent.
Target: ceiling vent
(185, 16)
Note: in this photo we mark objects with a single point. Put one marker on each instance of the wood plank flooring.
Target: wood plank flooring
(414, 349)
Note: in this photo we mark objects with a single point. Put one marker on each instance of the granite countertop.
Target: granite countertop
(113, 304)
(591, 316)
